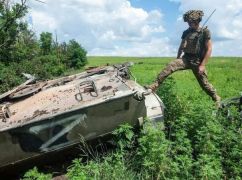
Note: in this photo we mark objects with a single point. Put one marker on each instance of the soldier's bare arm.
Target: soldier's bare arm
(179, 53)
(208, 52)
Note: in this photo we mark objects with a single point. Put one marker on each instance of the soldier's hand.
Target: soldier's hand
(201, 69)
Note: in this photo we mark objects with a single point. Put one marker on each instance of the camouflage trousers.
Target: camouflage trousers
(183, 64)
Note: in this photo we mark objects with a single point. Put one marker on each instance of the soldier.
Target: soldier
(197, 47)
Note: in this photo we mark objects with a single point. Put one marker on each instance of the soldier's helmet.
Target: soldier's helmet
(193, 16)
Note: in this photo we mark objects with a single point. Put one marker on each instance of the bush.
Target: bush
(76, 55)
(51, 66)
(43, 67)
(45, 43)
(114, 165)
(36, 175)
(8, 78)
(110, 167)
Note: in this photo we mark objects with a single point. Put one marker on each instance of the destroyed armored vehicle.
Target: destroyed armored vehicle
(227, 104)
(41, 117)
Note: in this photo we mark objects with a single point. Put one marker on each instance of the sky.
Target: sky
(136, 27)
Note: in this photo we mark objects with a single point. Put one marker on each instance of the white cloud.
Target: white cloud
(154, 47)
(225, 24)
(104, 27)
(43, 21)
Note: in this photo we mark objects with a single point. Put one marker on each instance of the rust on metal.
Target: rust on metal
(39, 113)
(105, 88)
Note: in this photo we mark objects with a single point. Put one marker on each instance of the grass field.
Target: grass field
(223, 72)
(195, 144)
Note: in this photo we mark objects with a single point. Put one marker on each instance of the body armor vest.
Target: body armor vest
(194, 43)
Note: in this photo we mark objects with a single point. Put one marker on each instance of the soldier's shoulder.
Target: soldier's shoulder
(206, 30)
(207, 33)
(187, 30)
(185, 33)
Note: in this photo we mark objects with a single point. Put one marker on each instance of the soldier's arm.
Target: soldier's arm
(179, 53)
(208, 52)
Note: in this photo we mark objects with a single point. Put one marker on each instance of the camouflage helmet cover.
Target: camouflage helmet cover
(193, 15)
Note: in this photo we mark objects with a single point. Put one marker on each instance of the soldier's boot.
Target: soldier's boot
(217, 100)
(153, 86)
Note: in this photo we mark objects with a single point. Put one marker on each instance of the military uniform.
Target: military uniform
(194, 48)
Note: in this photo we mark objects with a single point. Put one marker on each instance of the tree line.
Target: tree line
(21, 51)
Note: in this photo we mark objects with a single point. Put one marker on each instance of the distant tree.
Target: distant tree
(26, 46)
(46, 43)
(76, 55)
(63, 47)
(10, 27)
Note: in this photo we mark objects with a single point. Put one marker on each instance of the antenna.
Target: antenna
(208, 17)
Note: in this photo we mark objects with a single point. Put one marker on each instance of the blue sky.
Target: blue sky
(137, 27)
(170, 9)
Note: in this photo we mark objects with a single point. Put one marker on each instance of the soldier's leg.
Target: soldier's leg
(205, 85)
(175, 65)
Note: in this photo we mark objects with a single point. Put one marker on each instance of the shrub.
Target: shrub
(8, 78)
(35, 174)
(43, 66)
(115, 165)
(76, 55)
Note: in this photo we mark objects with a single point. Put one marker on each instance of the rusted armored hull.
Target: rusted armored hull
(55, 117)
